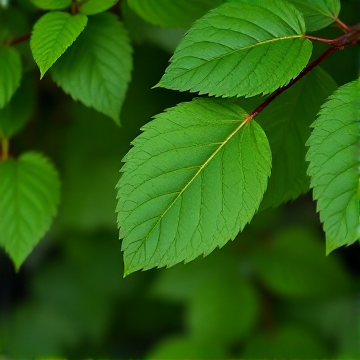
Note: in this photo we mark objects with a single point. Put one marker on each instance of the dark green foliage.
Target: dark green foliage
(253, 124)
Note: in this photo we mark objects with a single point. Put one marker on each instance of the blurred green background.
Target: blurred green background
(271, 293)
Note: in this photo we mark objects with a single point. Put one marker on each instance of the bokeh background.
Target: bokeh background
(271, 293)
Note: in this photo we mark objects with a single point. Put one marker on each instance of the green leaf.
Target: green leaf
(53, 33)
(334, 166)
(52, 4)
(294, 266)
(96, 69)
(10, 74)
(224, 53)
(287, 342)
(318, 14)
(29, 195)
(92, 7)
(224, 311)
(193, 180)
(286, 122)
(174, 13)
(187, 348)
(19, 110)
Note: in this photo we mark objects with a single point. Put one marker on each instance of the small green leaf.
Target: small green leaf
(192, 181)
(19, 110)
(318, 14)
(10, 74)
(174, 13)
(92, 7)
(29, 195)
(280, 267)
(96, 69)
(286, 122)
(241, 49)
(180, 348)
(334, 166)
(51, 4)
(53, 33)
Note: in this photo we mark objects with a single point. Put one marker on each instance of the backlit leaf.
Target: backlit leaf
(96, 69)
(191, 182)
(29, 195)
(53, 33)
(334, 165)
(174, 13)
(10, 73)
(241, 48)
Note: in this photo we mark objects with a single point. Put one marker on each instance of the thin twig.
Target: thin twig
(17, 40)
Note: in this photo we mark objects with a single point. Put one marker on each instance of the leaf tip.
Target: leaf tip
(158, 85)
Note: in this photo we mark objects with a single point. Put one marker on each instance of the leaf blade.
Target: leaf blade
(29, 195)
(51, 4)
(171, 181)
(10, 74)
(235, 45)
(175, 13)
(52, 34)
(333, 166)
(318, 14)
(93, 7)
(96, 69)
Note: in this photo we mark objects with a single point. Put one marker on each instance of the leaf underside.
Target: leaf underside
(191, 182)
(174, 13)
(96, 69)
(333, 154)
(52, 35)
(29, 195)
(240, 49)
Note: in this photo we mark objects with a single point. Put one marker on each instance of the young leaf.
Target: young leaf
(52, 35)
(96, 69)
(19, 110)
(334, 166)
(318, 14)
(10, 73)
(92, 7)
(241, 48)
(29, 195)
(52, 4)
(286, 122)
(191, 182)
(174, 13)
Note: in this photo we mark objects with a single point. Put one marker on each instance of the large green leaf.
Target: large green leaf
(92, 7)
(286, 122)
(318, 14)
(29, 195)
(19, 110)
(294, 266)
(10, 74)
(241, 49)
(174, 13)
(52, 4)
(53, 33)
(191, 182)
(96, 69)
(334, 165)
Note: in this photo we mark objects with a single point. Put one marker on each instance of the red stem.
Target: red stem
(17, 40)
